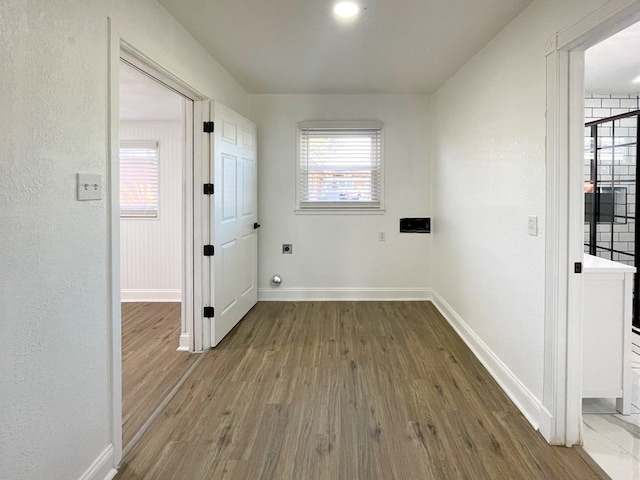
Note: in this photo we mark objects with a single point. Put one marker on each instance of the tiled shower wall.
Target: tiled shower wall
(596, 108)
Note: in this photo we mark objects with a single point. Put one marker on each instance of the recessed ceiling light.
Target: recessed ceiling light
(346, 9)
(636, 80)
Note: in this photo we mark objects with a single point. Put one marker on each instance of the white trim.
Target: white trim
(342, 294)
(524, 400)
(339, 211)
(102, 467)
(118, 47)
(545, 423)
(202, 212)
(575, 249)
(187, 308)
(113, 208)
(185, 343)
(144, 295)
(556, 269)
(635, 388)
(606, 20)
(142, 62)
(561, 417)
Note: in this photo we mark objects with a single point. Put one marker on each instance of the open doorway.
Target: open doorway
(154, 130)
(611, 167)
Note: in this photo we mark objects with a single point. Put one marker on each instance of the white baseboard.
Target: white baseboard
(102, 468)
(280, 294)
(185, 343)
(545, 422)
(151, 295)
(526, 402)
(635, 388)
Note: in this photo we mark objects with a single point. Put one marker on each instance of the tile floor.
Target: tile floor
(611, 439)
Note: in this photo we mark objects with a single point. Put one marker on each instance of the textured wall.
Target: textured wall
(151, 249)
(54, 347)
(54, 284)
(343, 251)
(489, 175)
(147, 26)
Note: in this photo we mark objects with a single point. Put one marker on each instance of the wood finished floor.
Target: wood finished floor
(151, 366)
(345, 390)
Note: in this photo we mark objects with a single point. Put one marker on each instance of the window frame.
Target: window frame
(141, 144)
(337, 207)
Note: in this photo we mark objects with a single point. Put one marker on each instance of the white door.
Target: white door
(234, 226)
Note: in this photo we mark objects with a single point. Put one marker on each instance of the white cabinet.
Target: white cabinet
(608, 298)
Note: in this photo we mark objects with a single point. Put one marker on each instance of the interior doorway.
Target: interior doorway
(611, 168)
(155, 134)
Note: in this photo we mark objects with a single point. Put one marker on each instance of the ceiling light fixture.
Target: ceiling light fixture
(346, 9)
(636, 80)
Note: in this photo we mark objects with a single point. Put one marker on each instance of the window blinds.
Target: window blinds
(139, 178)
(340, 167)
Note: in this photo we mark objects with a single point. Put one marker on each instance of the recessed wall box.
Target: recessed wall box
(415, 225)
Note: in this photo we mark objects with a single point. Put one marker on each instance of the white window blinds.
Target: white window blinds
(139, 179)
(340, 165)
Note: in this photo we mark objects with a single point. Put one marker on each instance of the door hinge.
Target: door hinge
(208, 312)
(208, 250)
(208, 127)
(208, 189)
(577, 267)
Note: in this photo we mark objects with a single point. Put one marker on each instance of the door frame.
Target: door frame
(198, 150)
(561, 413)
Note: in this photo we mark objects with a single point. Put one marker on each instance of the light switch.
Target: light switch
(89, 186)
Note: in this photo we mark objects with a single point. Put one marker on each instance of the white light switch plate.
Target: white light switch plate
(532, 226)
(89, 186)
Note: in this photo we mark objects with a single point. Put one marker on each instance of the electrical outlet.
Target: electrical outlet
(89, 186)
(287, 248)
(381, 236)
(532, 226)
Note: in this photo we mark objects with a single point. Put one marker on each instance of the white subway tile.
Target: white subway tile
(631, 103)
(611, 103)
(601, 112)
(627, 237)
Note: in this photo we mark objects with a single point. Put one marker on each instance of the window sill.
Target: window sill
(340, 211)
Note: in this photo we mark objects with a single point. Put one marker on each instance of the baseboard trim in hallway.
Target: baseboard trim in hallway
(526, 402)
(102, 467)
(281, 294)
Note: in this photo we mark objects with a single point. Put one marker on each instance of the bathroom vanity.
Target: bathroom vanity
(607, 299)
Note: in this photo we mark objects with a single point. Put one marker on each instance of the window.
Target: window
(139, 179)
(340, 165)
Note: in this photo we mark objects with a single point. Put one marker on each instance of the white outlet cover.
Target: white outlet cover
(532, 225)
(89, 186)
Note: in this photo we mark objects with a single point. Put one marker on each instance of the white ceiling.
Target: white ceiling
(144, 99)
(612, 65)
(394, 46)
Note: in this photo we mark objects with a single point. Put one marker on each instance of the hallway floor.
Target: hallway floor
(611, 439)
(345, 391)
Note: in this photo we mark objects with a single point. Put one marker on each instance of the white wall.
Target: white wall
(54, 284)
(488, 176)
(339, 256)
(151, 249)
